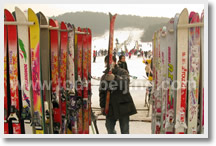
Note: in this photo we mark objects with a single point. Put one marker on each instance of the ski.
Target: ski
(85, 83)
(63, 74)
(193, 75)
(154, 80)
(89, 42)
(158, 97)
(45, 69)
(79, 79)
(164, 59)
(24, 61)
(202, 76)
(56, 100)
(171, 75)
(182, 68)
(14, 115)
(38, 117)
(110, 54)
(6, 85)
(70, 78)
(89, 72)
(77, 100)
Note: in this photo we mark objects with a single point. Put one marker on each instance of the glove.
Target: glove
(109, 77)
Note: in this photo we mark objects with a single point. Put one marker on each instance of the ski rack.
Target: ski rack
(18, 23)
(57, 28)
(41, 26)
(191, 25)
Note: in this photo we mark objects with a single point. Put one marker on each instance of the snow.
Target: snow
(131, 34)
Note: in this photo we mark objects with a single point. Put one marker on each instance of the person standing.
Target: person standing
(122, 63)
(94, 56)
(121, 105)
(129, 55)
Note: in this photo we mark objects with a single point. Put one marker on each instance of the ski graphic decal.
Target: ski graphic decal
(38, 117)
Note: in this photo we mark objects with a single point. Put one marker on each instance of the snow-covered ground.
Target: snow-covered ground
(137, 90)
(131, 34)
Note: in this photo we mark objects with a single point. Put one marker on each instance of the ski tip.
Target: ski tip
(6, 12)
(69, 25)
(192, 13)
(89, 31)
(63, 25)
(43, 16)
(195, 18)
(17, 10)
(52, 22)
(184, 11)
(176, 15)
(30, 11)
(8, 15)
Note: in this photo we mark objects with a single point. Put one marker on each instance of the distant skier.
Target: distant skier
(122, 63)
(149, 73)
(148, 70)
(114, 52)
(129, 55)
(121, 103)
(94, 56)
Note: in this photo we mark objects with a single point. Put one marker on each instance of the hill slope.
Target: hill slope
(99, 22)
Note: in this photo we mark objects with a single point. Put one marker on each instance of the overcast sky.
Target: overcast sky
(159, 10)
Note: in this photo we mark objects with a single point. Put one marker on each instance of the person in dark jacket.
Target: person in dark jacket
(122, 63)
(121, 104)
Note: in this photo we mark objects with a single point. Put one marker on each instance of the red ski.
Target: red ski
(13, 74)
(110, 52)
(85, 84)
(6, 126)
(79, 83)
(57, 120)
(89, 72)
(63, 62)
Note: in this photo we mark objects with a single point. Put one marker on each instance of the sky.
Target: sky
(158, 10)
